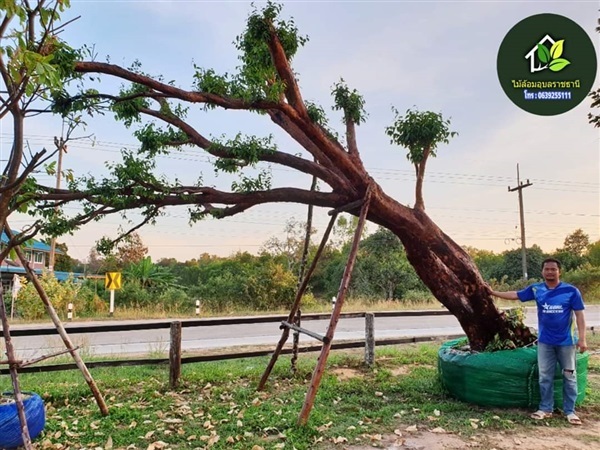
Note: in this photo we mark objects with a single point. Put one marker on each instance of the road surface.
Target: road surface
(156, 342)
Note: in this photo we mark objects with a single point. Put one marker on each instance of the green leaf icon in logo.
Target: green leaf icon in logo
(556, 65)
(557, 49)
(543, 53)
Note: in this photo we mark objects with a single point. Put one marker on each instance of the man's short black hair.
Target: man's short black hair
(551, 260)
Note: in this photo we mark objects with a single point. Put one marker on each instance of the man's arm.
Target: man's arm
(508, 295)
(580, 319)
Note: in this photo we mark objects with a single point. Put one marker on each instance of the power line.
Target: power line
(408, 175)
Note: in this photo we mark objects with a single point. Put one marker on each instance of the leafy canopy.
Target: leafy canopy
(420, 132)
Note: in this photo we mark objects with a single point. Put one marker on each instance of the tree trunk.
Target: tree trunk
(448, 271)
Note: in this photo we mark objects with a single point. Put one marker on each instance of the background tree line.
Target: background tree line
(267, 281)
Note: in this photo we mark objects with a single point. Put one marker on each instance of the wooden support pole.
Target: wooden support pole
(369, 339)
(345, 283)
(303, 261)
(175, 355)
(60, 328)
(296, 342)
(43, 358)
(347, 208)
(312, 334)
(296, 304)
(12, 365)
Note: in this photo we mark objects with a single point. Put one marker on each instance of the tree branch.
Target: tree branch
(172, 91)
(284, 159)
(28, 169)
(201, 196)
(282, 65)
(137, 227)
(355, 173)
(351, 138)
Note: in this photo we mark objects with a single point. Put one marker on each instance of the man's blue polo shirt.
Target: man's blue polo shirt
(556, 322)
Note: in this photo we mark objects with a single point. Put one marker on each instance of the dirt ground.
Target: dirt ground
(542, 437)
(586, 437)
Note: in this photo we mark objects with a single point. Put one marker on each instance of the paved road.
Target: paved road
(156, 342)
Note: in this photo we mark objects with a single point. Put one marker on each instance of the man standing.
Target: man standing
(557, 302)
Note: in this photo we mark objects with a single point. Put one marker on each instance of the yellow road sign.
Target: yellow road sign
(112, 280)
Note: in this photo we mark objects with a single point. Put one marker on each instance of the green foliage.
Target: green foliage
(241, 151)
(158, 299)
(350, 102)
(29, 305)
(515, 317)
(419, 132)
(576, 242)
(594, 253)
(257, 65)
(382, 269)
(587, 279)
(155, 141)
(511, 264)
(487, 262)
(257, 283)
(288, 251)
(260, 182)
(148, 275)
(569, 260)
(36, 60)
(208, 81)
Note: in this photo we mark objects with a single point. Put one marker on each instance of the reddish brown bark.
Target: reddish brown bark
(448, 271)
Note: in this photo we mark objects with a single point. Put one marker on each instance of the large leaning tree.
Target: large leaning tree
(266, 84)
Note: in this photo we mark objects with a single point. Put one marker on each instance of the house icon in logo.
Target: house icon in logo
(531, 55)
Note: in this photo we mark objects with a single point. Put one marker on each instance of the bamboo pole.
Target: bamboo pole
(303, 261)
(296, 305)
(14, 375)
(322, 361)
(60, 328)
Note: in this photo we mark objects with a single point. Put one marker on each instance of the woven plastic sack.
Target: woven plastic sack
(507, 378)
(10, 426)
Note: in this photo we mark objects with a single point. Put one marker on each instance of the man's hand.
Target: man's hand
(582, 345)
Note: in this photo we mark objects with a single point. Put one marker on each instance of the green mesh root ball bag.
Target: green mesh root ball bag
(506, 378)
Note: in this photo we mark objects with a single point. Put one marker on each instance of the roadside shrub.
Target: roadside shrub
(586, 279)
(29, 305)
(132, 295)
(175, 300)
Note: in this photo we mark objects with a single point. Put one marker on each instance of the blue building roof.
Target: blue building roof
(31, 244)
(60, 276)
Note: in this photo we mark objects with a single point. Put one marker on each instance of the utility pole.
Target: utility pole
(62, 148)
(519, 189)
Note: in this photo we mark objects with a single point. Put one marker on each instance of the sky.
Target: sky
(432, 55)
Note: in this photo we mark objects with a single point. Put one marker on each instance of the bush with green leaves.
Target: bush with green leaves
(587, 279)
(175, 300)
(29, 305)
(244, 281)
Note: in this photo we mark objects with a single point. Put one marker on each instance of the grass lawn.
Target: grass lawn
(217, 405)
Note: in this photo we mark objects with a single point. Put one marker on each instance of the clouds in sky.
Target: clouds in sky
(439, 56)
